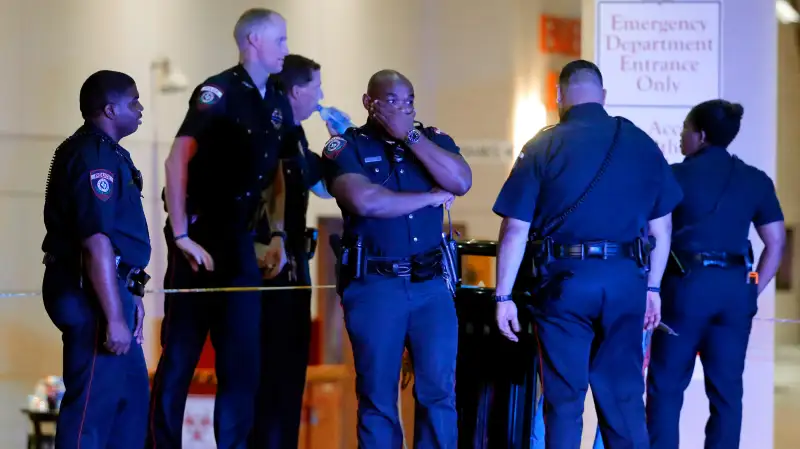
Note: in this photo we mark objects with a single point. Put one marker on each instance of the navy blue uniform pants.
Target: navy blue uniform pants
(285, 345)
(712, 310)
(233, 320)
(383, 315)
(105, 403)
(590, 333)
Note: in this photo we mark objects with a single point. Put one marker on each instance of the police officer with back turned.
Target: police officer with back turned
(96, 248)
(582, 197)
(710, 289)
(390, 179)
(224, 156)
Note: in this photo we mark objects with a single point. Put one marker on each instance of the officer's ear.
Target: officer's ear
(366, 101)
(109, 111)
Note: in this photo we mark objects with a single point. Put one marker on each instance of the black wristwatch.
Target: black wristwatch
(654, 289)
(413, 136)
(502, 298)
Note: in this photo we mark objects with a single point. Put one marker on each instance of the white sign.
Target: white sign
(664, 125)
(495, 152)
(659, 54)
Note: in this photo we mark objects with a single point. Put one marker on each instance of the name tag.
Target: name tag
(367, 160)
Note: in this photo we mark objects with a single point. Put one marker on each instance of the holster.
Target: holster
(136, 280)
(311, 237)
(350, 262)
(642, 250)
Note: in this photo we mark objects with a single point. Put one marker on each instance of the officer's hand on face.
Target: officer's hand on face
(274, 259)
(396, 121)
(507, 322)
(138, 332)
(195, 254)
(441, 197)
(118, 337)
(652, 316)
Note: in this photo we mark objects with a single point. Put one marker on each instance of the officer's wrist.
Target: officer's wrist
(653, 289)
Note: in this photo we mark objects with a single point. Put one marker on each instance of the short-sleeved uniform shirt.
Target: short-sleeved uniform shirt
(238, 134)
(94, 188)
(555, 168)
(367, 151)
(727, 195)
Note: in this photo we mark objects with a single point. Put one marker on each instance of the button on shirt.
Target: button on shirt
(238, 136)
(368, 152)
(724, 195)
(558, 164)
(94, 188)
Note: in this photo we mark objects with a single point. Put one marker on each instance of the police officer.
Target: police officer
(586, 192)
(390, 178)
(225, 154)
(710, 291)
(96, 246)
(286, 322)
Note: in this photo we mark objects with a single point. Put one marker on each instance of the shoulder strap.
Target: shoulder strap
(713, 211)
(553, 222)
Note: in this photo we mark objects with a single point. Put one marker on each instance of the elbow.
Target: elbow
(463, 187)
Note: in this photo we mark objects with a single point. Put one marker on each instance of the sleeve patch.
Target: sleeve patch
(102, 182)
(334, 147)
(209, 95)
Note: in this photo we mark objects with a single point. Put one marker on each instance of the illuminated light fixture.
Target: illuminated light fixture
(786, 12)
(530, 115)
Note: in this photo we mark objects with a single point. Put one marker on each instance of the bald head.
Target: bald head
(392, 87)
(580, 82)
(260, 35)
(252, 21)
(385, 79)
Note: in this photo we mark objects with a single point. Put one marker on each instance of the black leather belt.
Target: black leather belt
(124, 270)
(403, 267)
(593, 250)
(389, 268)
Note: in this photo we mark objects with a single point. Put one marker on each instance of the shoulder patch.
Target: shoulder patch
(334, 146)
(209, 95)
(277, 118)
(102, 182)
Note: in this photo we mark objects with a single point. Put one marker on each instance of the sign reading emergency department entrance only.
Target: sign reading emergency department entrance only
(659, 54)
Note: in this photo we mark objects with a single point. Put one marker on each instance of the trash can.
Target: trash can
(496, 380)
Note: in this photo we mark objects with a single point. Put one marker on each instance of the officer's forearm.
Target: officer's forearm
(176, 169)
(449, 170)
(661, 229)
(276, 203)
(510, 251)
(101, 269)
(774, 237)
(359, 196)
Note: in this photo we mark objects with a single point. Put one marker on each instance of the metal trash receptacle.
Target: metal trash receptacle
(496, 380)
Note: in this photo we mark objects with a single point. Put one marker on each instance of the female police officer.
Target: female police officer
(709, 293)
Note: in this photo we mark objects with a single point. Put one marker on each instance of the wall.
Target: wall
(787, 303)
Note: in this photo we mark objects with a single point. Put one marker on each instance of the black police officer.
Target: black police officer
(586, 192)
(710, 295)
(286, 322)
(225, 154)
(96, 247)
(390, 178)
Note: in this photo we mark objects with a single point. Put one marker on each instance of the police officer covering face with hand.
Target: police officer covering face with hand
(224, 156)
(710, 290)
(96, 247)
(286, 322)
(390, 178)
(582, 196)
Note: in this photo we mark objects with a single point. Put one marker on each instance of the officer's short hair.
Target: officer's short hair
(579, 70)
(297, 71)
(720, 120)
(102, 88)
(249, 20)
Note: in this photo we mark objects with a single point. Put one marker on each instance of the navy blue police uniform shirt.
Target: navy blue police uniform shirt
(302, 169)
(367, 151)
(238, 134)
(558, 164)
(727, 195)
(94, 188)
